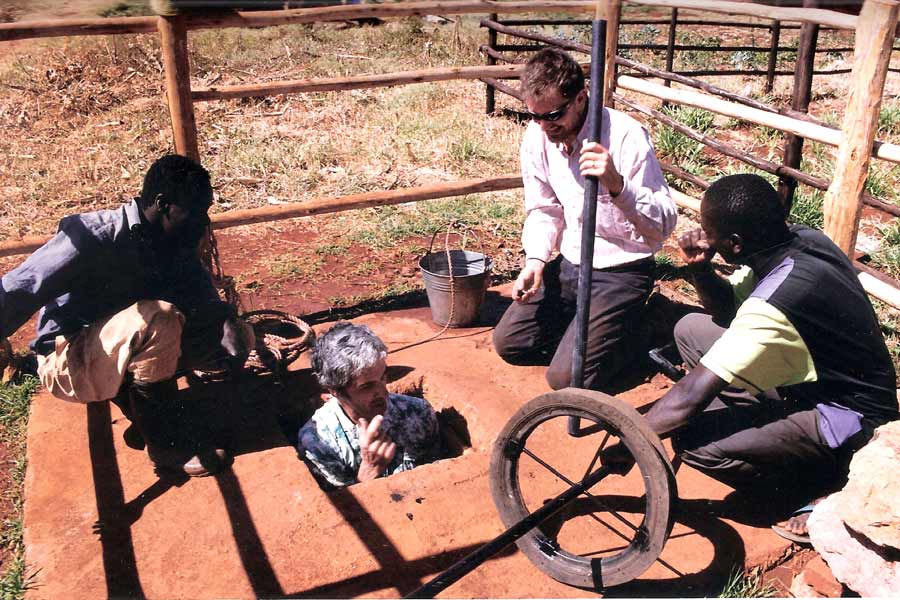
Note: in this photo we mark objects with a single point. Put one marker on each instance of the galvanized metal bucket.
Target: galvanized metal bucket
(455, 290)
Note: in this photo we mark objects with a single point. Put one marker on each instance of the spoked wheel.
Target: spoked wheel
(613, 532)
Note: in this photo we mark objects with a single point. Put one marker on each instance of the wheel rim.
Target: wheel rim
(561, 547)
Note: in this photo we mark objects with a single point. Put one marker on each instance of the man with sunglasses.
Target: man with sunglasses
(634, 215)
(125, 304)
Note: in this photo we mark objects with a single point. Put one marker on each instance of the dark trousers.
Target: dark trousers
(531, 331)
(758, 441)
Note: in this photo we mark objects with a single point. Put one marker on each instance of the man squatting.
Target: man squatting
(125, 304)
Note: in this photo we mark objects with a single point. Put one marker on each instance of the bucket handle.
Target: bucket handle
(464, 234)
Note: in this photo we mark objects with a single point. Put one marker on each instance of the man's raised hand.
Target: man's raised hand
(375, 447)
(694, 249)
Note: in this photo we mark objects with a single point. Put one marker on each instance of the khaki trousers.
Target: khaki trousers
(143, 339)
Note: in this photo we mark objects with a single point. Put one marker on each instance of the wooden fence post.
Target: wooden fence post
(613, 15)
(874, 38)
(670, 45)
(173, 42)
(773, 56)
(489, 95)
(670, 49)
(803, 78)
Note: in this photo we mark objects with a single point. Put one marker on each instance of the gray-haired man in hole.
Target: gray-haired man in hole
(363, 431)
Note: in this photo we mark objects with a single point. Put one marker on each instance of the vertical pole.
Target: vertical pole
(773, 56)
(613, 15)
(843, 202)
(489, 93)
(803, 77)
(173, 41)
(670, 50)
(588, 215)
(670, 46)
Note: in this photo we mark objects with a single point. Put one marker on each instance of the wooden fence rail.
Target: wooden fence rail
(355, 83)
(173, 32)
(805, 129)
(320, 206)
(126, 25)
(751, 159)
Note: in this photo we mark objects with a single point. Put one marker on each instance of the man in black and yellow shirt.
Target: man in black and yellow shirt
(789, 371)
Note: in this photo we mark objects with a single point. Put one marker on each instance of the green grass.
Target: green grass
(668, 268)
(385, 227)
(679, 148)
(331, 248)
(15, 403)
(698, 59)
(880, 182)
(744, 59)
(887, 258)
(889, 319)
(807, 209)
(741, 584)
(889, 120)
(291, 267)
(128, 8)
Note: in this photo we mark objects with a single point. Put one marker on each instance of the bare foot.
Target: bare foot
(797, 523)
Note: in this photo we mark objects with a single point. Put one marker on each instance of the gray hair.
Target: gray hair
(344, 352)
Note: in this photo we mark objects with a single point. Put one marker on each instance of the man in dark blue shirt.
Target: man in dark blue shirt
(125, 303)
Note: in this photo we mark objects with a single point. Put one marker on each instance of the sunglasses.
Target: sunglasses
(553, 115)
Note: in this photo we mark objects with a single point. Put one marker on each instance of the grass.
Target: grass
(889, 319)
(742, 584)
(294, 267)
(676, 146)
(127, 8)
(668, 268)
(331, 248)
(889, 120)
(880, 182)
(15, 403)
(807, 209)
(698, 59)
(887, 258)
(385, 227)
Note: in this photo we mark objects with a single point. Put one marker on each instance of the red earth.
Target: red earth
(99, 522)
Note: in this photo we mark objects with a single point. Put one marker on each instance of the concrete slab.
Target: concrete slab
(99, 523)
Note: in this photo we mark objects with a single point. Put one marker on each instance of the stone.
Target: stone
(857, 566)
(816, 581)
(868, 503)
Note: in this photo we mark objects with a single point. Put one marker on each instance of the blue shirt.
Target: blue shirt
(96, 265)
(329, 441)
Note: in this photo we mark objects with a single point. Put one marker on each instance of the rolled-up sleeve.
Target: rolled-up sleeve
(544, 218)
(645, 200)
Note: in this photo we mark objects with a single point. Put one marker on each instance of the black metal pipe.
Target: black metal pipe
(469, 563)
(589, 214)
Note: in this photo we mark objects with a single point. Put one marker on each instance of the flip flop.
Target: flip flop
(796, 538)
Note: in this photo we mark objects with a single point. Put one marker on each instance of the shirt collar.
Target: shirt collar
(133, 213)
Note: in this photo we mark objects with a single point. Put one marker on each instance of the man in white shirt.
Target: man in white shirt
(635, 214)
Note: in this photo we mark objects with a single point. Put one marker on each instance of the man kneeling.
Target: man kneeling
(363, 431)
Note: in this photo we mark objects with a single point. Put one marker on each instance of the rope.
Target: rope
(272, 353)
(209, 255)
(443, 330)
